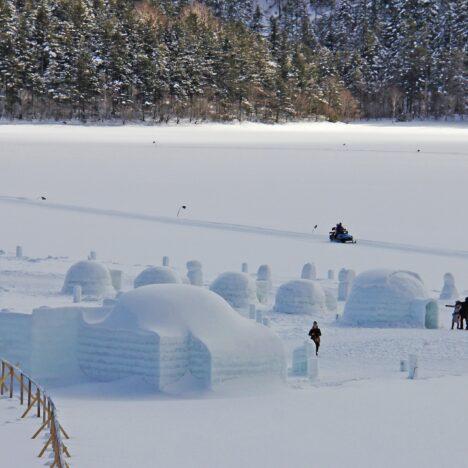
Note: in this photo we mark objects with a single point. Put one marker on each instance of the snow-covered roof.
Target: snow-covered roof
(93, 277)
(175, 310)
(301, 297)
(238, 289)
(156, 275)
(386, 298)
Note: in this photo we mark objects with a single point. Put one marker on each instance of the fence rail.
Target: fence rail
(14, 382)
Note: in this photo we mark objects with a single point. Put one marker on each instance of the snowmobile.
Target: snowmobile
(343, 237)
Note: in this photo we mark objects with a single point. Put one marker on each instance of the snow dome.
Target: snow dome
(238, 289)
(156, 275)
(169, 333)
(387, 298)
(93, 277)
(301, 297)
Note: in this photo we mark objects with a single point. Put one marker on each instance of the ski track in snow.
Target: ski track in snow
(259, 230)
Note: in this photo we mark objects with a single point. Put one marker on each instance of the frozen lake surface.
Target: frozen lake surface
(253, 194)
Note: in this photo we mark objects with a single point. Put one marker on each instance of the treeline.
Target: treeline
(165, 60)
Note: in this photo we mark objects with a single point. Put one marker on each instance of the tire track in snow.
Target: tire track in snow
(242, 228)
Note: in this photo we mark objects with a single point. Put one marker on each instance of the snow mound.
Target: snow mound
(388, 298)
(168, 332)
(301, 297)
(93, 277)
(156, 275)
(238, 289)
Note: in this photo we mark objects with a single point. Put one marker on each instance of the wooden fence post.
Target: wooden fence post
(29, 392)
(38, 396)
(3, 376)
(12, 376)
(21, 388)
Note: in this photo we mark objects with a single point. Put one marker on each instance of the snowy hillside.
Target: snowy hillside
(253, 196)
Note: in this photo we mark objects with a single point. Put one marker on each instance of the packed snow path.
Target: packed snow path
(264, 231)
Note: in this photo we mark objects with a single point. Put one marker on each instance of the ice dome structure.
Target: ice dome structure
(156, 275)
(388, 298)
(301, 297)
(170, 333)
(93, 277)
(238, 289)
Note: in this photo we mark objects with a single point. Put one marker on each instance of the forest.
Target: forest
(225, 60)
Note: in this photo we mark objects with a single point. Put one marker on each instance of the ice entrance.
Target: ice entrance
(432, 315)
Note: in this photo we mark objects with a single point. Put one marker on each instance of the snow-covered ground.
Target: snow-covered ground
(253, 193)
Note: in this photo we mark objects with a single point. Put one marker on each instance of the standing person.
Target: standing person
(464, 313)
(456, 315)
(315, 335)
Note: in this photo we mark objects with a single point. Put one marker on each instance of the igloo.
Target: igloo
(238, 289)
(388, 298)
(93, 277)
(301, 297)
(176, 333)
(156, 275)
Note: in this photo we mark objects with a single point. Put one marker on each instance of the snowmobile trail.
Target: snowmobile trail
(242, 228)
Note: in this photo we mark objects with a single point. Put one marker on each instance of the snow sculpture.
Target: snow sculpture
(258, 316)
(345, 281)
(245, 267)
(76, 293)
(331, 275)
(264, 283)
(19, 251)
(93, 277)
(387, 298)
(301, 297)
(195, 273)
(92, 255)
(172, 334)
(449, 291)
(156, 275)
(330, 299)
(309, 272)
(304, 362)
(413, 367)
(116, 278)
(238, 289)
(165, 261)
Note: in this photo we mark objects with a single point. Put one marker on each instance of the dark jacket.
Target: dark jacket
(315, 333)
(464, 309)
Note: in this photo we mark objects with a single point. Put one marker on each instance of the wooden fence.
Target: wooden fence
(14, 382)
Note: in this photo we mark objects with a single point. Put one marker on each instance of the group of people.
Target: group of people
(460, 314)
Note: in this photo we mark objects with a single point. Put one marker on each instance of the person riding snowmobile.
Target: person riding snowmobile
(339, 229)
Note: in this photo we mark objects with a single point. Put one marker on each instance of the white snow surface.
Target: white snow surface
(254, 194)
